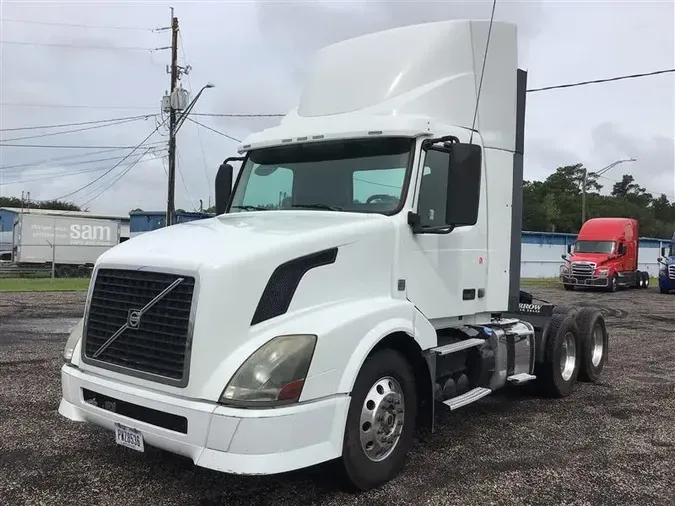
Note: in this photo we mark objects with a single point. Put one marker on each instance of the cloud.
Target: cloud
(257, 54)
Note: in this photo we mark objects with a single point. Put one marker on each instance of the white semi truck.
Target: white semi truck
(363, 271)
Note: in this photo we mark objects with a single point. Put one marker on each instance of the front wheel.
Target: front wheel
(380, 421)
(645, 278)
(614, 283)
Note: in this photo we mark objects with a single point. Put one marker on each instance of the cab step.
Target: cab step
(467, 398)
(519, 379)
(455, 347)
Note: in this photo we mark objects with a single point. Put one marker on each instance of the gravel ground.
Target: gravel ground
(609, 443)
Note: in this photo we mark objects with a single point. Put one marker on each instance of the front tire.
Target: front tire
(645, 277)
(380, 421)
(614, 283)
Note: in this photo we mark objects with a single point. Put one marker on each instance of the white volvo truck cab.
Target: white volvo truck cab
(363, 272)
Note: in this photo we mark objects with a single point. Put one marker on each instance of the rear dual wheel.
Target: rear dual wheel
(558, 372)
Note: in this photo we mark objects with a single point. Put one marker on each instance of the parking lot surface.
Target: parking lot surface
(608, 443)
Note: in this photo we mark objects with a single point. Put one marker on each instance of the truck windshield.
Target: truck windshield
(594, 247)
(358, 175)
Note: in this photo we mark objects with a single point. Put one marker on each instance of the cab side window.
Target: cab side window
(450, 186)
(433, 189)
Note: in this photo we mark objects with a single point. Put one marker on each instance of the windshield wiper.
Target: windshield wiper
(250, 208)
(318, 206)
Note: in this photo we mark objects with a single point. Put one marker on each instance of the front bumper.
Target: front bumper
(594, 281)
(238, 441)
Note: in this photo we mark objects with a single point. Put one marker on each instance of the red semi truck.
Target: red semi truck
(605, 256)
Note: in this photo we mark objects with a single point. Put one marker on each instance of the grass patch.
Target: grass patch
(43, 284)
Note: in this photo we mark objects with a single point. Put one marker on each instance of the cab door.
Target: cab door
(444, 248)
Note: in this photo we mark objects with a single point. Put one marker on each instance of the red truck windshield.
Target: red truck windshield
(594, 247)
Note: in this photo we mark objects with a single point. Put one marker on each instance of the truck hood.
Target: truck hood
(232, 238)
(597, 258)
(233, 257)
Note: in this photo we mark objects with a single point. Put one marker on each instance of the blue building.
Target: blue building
(147, 221)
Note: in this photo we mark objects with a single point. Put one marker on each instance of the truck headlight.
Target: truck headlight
(274, 374)
(564, 269)
(73, 338)
(662, 267)
(603, 271)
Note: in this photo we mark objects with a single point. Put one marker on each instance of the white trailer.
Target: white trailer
(363, 272)
(66, 241)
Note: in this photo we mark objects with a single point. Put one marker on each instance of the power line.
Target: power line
(607, 80)
(134, 148)
(82, 129)
(213, 130)
(70, 157)
(60, 146)
(83, 162)
(235, 115)
(59, 125)
(66, 174)
(124, 173)
(199, 132)
(99, 27)
(650, 190)
(78, 106)
(76, 46)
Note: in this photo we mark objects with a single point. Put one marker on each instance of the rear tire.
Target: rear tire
(560, 368)
(594, 344)
(380, 421)
(645, 277)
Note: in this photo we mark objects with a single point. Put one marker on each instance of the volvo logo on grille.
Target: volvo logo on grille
(134, 317)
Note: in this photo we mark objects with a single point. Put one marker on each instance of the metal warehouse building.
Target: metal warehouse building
(8, 214)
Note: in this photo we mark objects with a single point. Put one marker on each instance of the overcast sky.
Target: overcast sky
(256, 54)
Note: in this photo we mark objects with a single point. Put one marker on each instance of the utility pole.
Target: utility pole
(170, 203)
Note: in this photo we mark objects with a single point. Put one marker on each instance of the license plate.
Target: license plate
(131, 438)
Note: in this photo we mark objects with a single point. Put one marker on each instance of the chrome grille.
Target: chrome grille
(671, 271)
(157, 348)
(583, 269)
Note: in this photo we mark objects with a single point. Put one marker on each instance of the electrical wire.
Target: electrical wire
(597, 81)
(66, 174)
(82, 129)
(180, 173)
(69, 157)
(75, 46)
(213, 130)
(60, 125)
(234, 115)
(124, 173)
(199, 132)
(77, 106)
(650, 190)
(60, 146)
(482, 72)
(111, 168)
(75, 25)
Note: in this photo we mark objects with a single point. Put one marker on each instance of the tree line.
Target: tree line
(552, 205)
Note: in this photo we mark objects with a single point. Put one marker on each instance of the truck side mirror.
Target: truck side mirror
(663, 251)
(463, 191)
(622, 249)
(223, 187)
(569, 249)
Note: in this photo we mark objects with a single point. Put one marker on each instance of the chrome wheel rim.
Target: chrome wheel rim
(598, 346)
(568, 356)
(382, 416)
